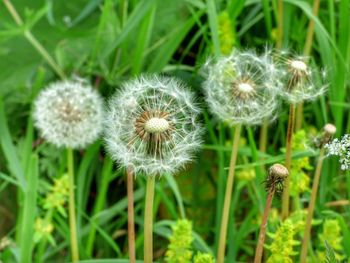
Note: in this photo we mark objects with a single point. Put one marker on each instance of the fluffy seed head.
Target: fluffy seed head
(298, 65)
(69, 114)
(330, 129)
(152, 125)
(340, 148)
(241, 88)
(299, 81)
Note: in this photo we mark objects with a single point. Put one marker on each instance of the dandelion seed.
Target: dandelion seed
(69, 114)
(340, 148)
(241, 88)
(299, 81)
(152, 125)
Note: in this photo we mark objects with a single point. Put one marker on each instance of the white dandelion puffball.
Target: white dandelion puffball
(152, 125)
(69, 114)
(299, 81)
(241, 88)
(340, 148)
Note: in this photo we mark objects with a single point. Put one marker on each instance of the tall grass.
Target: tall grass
(111, 41)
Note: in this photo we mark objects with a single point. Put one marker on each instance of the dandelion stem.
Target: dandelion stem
(72, 217)
(260, 246)
(310, 211)
(310, 29)
(307, 51)
(285, 197)
(263, 136)
(131, 223)
(228, 195)
(35, 43)
(280, 24)
(148, 221)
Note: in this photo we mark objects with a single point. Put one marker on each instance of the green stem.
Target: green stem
(72, 217)
(148, 221)
(100, 202)
(131, 220)
(263, 136)
(228, 194)
(280, 24)
(311, 209)
(35, 43)
(285, 197)
(307, 51)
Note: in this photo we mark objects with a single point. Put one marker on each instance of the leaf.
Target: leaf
(9, 149)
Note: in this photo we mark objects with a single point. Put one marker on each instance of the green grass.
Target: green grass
(111, 41)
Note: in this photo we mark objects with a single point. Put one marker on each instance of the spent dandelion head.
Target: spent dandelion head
(298, 80)
(276, 175)
(340, 148)
(69, 114)
(240, 88)
(152, 125)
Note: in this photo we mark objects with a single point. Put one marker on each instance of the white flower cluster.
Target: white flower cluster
(152, 125)
(241, 88)
(340, 148)
(69, 114)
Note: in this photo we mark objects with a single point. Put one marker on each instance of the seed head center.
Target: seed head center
(245, 88)
(298, 65)
(69, 113)
(156, 125)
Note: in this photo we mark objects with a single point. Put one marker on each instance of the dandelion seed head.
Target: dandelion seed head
(298, 65)
(69, 114)
(241, 88)
(152, 125)
(330, 129)
(276, 176)
(299, 80)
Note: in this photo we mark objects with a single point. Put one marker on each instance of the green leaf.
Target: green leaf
(29, 212)
(9, 149)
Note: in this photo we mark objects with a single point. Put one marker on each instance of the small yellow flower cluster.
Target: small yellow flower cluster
(43, 230)
(58, 195)
(246, 175)
(282, 247)
(180, 247)
(299, 179)
(226, 33)
(203, 258)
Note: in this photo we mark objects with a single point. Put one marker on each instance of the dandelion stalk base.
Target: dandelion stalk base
(311, 208)
(285, 197)
(260, 246)
(131, 223)
(148, 221)
(72, 217)
(228, 195)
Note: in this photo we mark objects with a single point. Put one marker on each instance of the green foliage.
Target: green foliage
(110, 41)
(179, 249)
(226, 33)
(203, 258)
(330, 240)
(299, 179)
(283, 246)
